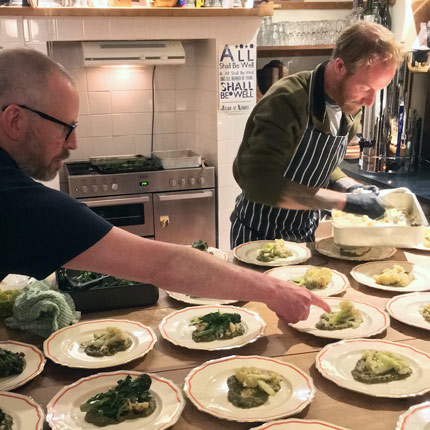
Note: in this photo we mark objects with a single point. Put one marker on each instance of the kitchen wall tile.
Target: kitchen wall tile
(99, 78)
(206, 101)
(207, 148)
(227, 197)
(84, 107)
(96, 28)
(165, 100)
(70, 29)
(84, 150)
(165, 77)
(185, 77)
(80, 78)
(40, 29)
(164, 141)
(128, 78)
(143, 123)
(206, 78)
(37, 46)
(186, 122)
(224, 229)
(69, 54)
(205, 52)
(101, 125)
(84, 127)
(122, 28)
(143, 100)
(99, 102)
(206, 124)
(226, 126)
(11, 30)
(123, 124)
(11, 45)
(143, 144)
(187, 141)
(190, 53)
(225, 175)
(142, 78)
(227, 151)
(239, 126)
(102, 146)
(123, 101)
(124, 145)
(165, 122)
(185, 100)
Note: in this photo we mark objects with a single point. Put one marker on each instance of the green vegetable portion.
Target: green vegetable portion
(129, 399)
(425, 312)
(7, 299)
(199, 244)
(347, 317)
(273, 250)
(6, 421)
(217, 326)
(11, 363)
(107, 342)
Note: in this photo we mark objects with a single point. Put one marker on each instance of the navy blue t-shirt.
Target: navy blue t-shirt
(40, 228)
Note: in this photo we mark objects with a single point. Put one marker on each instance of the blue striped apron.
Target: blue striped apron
(316, 156)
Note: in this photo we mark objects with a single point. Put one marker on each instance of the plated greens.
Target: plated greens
(11, 363)
(314, 278)
(395, 276)
(273, 250)
(129, 399)
(6, 421)
(347, 317)
(425, 312)
(107, 342)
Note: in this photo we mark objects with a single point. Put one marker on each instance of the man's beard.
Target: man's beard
(30, 162)
(341, 99)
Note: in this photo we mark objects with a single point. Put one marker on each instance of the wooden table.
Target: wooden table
(331, 403)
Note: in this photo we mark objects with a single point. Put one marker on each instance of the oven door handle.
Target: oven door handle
(188, 196)
(116, 202)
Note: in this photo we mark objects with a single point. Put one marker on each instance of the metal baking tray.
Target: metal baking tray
(392, 235)
(177, 158)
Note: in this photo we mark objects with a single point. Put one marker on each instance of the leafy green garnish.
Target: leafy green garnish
(217, 323)
(199, 244)
(11, 363)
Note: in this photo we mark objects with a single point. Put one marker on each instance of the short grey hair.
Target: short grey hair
(24, 76)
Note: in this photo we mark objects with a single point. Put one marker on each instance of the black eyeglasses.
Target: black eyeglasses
(70, 127)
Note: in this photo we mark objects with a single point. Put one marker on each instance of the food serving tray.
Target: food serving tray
(177, 158)
(386, 235)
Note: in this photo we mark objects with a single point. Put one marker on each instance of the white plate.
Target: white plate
(247, 253)
(297, 424)
(417, 417)
(336, 361)
(406, 308)
(193, 300)
(34, 364)
(363, 273)
(176, 328)
(375, 321)
(64, 346)
(25, 412)
(206, 387)
(338, 283)
(330, 249)
(219, 253)
(63, 411)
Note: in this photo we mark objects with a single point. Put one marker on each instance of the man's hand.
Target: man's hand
(364, 204)
(292, 303)
(356, 189)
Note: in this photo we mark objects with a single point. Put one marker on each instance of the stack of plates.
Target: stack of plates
(352, 152)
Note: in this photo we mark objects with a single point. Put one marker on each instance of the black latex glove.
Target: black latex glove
(372, 188)
(364, 204)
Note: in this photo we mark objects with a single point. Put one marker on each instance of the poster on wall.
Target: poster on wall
(237, 82)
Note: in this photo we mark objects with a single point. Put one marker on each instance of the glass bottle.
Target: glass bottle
(357, 12)
(376, 12)
(368, 12)
(385, 14)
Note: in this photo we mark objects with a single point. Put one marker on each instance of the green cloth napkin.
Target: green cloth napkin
(41, 310)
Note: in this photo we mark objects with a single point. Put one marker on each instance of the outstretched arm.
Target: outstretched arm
(185, 270)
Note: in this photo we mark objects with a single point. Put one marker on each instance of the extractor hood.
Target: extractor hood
(133, 52)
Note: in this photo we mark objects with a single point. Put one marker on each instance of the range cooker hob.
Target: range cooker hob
(88, 179)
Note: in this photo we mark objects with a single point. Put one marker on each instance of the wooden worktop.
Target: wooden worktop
(332, 404)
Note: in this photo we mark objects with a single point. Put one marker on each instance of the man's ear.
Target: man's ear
(14, 123)
(340, 68)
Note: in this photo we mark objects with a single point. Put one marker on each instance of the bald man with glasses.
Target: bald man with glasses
(42, 229)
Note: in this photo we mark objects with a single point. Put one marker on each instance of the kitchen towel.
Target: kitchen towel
(41, 310)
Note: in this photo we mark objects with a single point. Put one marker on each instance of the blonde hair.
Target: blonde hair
(363, 43)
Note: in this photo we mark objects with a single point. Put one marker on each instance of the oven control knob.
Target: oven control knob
(114, 187)
(172, 182)
(94, 188)
(181, 181)
(192, 181)
(201, 181)
(84, 189)
(105, 188)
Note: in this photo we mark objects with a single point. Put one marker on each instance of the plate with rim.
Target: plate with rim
(25, 412)
(64, 346)
(406, 309)
(337, 285)
(207, 389)
(34, 364)
(216, 252)
(336, 361)
(363, 273)
(298, 424)
(194, 300)
(176, 328)
(417, 417)
(328, 248)
(375, 321)
(247, 253)
(63, 412)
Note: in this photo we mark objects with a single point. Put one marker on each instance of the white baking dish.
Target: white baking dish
(398, 236)
(177, 158)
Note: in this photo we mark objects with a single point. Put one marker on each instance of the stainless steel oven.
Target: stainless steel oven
(177, 205)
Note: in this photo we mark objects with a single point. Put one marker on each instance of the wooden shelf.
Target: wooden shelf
(297, 51)
(174, 12)
(296, 5)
